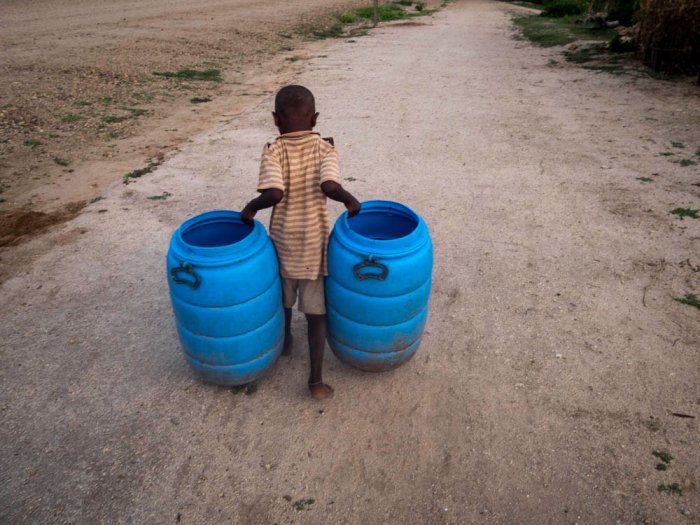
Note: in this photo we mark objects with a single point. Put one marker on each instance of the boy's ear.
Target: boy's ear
(313, 119)
(276, 118)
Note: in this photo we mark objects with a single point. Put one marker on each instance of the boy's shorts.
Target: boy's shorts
(312, 296)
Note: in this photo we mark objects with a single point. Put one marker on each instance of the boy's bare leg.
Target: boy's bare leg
(317, 343)
(287, 348)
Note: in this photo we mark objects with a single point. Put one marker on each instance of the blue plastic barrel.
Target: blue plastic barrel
(380, 265)
(226, 294)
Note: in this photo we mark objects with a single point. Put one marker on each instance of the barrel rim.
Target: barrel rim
(218, 255)
(402, 245)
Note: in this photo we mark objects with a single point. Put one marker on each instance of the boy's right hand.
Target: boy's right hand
(353, 207)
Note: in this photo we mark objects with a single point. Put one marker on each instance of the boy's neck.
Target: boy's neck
(294, 129)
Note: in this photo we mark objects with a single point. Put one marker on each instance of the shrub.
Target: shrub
(559, 8)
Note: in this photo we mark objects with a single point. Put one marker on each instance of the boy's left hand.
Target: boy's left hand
(247, 215)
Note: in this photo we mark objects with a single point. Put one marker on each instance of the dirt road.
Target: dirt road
(554, 356)
(81, 105)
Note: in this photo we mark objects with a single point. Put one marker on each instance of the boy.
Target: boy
(297, 172)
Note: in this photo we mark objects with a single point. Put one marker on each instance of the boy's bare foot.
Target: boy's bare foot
(320, 390)
(287, 348)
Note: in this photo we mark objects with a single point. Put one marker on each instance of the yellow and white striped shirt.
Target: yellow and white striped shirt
(298, 163)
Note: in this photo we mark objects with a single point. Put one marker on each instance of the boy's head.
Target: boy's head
(295, 109)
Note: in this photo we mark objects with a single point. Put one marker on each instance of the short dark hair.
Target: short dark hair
(295, 101)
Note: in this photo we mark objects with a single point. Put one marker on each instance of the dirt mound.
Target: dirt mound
(21, 224)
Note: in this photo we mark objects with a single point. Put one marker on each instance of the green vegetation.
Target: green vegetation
(397, 10)
(645, 179)
(303, 503)
(140, 172)
(200, 100)
(685, 212)
(580, 56)
(61, 162)
(559, 8)
(113, 119)
(662, 455)
(163, 196)
(673, 488)
(689, 299)
(334, 31)
(71, 117)
(550, 32)
(211, 75)
(32, 143)
(665, 153)
(136, 112)
(677, 145)
(248, 390)
(687, 162)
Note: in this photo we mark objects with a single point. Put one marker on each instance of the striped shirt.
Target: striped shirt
(298, 163)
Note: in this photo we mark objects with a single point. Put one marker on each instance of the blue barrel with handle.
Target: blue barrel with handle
(380, 266)
(226, 294)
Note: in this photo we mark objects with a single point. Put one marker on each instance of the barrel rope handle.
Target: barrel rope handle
(370, 262)
(193, 283)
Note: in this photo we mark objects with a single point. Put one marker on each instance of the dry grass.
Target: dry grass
(669, 35)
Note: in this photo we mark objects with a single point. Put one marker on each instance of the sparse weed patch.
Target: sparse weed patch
(580, 56)
(334, 31)
(672, 488)
(136, 112)
(662, 455)
(113, 119)
(71, 117)
(248, 390)
(140, 172)
(200, 100)
(687, 162)
(33, 143)
(61, 162)
(211, 75)
(685, 212)
(666, 153)
(689, 299)
(303, 503)
(550, 32)
(163, 196)
(644, 179)
(677, 145)
(347, 18)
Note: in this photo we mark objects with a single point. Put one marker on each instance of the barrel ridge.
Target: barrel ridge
(377, 337)
(239, 315)
(211, 346)
(273, 348)
(225, 311)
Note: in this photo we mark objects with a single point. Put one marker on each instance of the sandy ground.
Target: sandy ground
(81, 106)
(554, 356)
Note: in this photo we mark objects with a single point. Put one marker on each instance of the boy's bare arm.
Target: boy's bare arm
(336, 192)
(267, 199)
